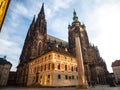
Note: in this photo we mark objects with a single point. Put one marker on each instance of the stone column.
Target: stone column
(82, 82)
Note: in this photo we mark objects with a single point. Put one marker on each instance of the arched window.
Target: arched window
(39, 48)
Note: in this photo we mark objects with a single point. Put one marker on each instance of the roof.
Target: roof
(3, 61)
(116, 63)
(57, 40)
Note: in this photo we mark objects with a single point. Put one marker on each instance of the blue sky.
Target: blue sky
(101, 17)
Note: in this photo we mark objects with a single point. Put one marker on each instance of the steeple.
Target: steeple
(75, 17)
(42, 14)
(42, 8)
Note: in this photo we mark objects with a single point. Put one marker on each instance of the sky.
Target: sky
(101, 17)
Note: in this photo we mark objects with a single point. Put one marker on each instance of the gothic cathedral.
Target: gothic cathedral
(49, 61)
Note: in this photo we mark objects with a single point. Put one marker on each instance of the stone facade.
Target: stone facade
(5, 67)
(38, 43)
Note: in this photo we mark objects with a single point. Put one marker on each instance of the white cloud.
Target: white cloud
(106, 19)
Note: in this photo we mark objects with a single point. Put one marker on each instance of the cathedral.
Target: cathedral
(49, 61)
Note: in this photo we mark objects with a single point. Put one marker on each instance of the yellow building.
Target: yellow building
(53, 69)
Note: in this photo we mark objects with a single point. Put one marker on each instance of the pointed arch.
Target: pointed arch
(39, 48)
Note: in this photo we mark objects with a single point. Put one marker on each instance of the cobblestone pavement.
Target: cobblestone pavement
(103, 87)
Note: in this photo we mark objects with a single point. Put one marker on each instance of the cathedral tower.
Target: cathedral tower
(35, 39)
(81, 30)
(33, 46)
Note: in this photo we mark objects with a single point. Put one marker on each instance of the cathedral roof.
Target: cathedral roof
(56, 40)
(116, 63)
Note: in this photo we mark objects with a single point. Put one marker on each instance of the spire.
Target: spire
(42, 9)
(41, 14)
(75, 17)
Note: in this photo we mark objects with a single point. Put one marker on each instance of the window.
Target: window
(70, 77)
(59, 76)
(41, 68)
(49, 66)
(73, 77)
(65, 67)
(48, 76)
(59, 66)
(49, 56)
(39, 49)
(66, 77)
(45, 67)
(53, 66)
(77, 77)
(76, 69)
(58, 56)
(72, 68)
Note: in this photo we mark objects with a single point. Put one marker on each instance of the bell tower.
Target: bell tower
(76, 26)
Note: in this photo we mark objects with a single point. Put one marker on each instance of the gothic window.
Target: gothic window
(39, 48)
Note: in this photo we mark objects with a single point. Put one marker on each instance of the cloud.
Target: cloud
(105, 21)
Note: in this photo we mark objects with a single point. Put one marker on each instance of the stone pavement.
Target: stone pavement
(100, 87)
